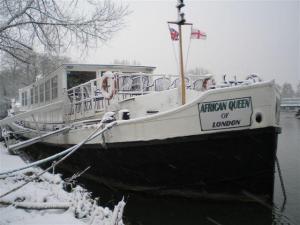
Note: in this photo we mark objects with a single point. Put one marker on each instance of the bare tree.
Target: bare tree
(198, 71)
(287, 91)
(44, 64)
(126, 62)
(14, 75)
(55, 25)
(297, 94)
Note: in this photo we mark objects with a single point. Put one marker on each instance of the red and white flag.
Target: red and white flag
(174, 34)
(197, 34)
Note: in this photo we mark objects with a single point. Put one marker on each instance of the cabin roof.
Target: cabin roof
(107, 65)
(123, 68)
(83, 67)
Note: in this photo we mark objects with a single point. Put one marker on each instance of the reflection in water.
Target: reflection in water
(150, 210)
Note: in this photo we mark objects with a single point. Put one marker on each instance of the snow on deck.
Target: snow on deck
(67, 208)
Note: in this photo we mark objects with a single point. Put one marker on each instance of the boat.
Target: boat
(169, 135)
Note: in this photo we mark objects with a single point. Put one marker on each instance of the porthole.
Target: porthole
(258, 117)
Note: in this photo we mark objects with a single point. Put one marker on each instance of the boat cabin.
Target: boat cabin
(49, 89)
(82, 91)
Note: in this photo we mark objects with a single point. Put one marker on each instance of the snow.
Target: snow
(8, 161)
(45, 201)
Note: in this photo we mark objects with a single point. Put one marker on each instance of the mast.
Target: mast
(180, 23)
(183, 94)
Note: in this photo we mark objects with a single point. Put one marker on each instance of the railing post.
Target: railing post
(82, 111)
(74, 103)
(92, 95)
(142, 83)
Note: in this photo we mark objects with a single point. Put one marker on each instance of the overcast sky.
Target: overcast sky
(243, 37)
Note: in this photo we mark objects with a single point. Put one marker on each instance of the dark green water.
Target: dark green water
(151, 210)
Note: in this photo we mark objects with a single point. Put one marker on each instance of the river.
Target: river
(145, 210)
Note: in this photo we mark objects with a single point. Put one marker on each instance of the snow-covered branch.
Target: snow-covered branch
(56, 25)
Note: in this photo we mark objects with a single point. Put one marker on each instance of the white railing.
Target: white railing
(86, 99)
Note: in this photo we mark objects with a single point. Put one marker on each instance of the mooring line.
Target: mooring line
(93, 135)
(37, 163)
(50, 158)
(281, 183)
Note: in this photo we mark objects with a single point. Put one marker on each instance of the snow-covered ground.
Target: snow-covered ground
(45, 201)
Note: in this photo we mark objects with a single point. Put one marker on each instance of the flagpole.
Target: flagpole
(180, 22)
(183, 94)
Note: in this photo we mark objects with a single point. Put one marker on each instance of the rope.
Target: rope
(39, 162)
(50, 158)
(281, 183)
(76, 175)
(74, 148)
(188, 51)
(174, 51)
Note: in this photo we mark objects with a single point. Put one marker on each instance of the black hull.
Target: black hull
(219, 165)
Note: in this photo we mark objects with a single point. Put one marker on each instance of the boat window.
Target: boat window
(31, 96)
(54, 87)
(75, 78)
(161, 83)
(125, 83)
(47, 90)
(36, 94)
(42, 92)
(25, 98)
(198, 85)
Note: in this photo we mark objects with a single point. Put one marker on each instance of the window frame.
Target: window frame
(54, 87)
(42, 92)
(36, 94)
(31, 97)
(25, 98)
(47, 90)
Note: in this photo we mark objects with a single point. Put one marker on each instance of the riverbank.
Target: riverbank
(45, 200)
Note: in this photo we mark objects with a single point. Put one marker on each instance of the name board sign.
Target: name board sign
(225, 114)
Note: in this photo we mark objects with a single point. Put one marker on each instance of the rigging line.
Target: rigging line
(93, 135)
(174, 51)
(50, 158)
(188, 51)
(39, 162)
(281, 183)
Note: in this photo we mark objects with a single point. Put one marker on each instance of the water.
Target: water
(145, 210)
(288, 153)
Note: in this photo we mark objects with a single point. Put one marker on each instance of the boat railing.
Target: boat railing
(87, 99)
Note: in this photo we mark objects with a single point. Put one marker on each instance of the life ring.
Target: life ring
(108, 85)
(205, 84)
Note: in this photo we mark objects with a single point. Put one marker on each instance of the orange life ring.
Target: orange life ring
(108, 85)
(205, 84)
